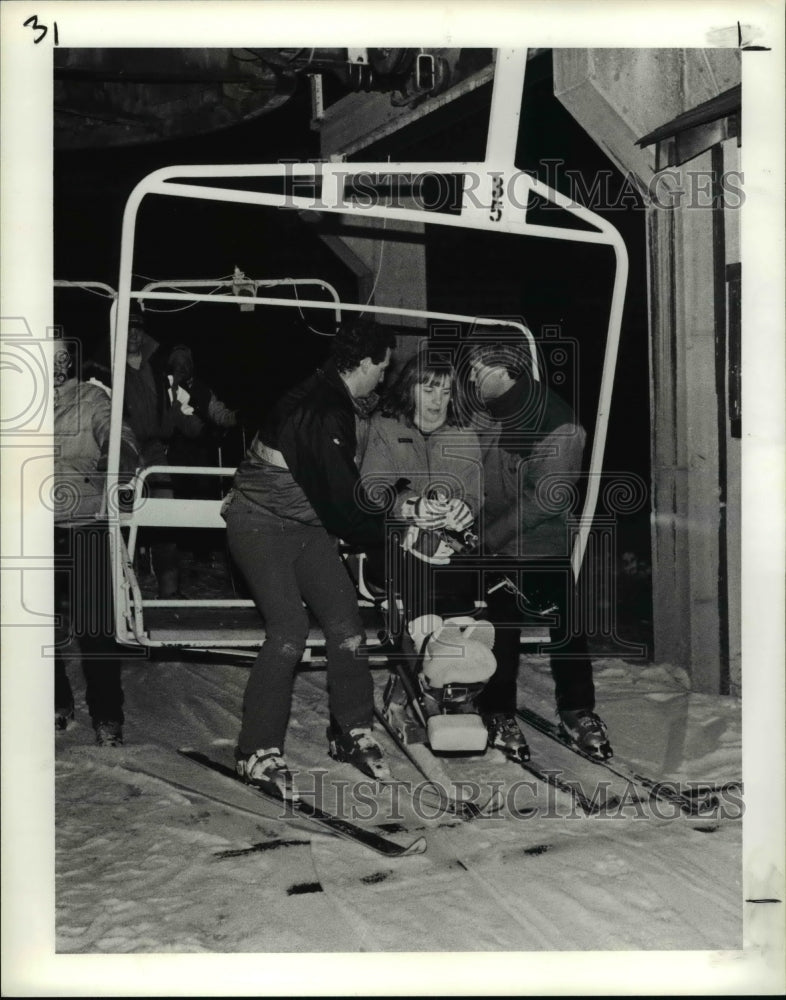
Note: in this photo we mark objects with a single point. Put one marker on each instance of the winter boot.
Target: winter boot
(109, 733)
(359, 748)
(505, 735)
(63, 716)
(587, 731)
(266, 770)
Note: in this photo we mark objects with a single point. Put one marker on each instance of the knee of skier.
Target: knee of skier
(292, 648)
(351, 643)
(345, 639)
(290, 645)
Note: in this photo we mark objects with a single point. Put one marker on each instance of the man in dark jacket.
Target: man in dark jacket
(204, 449)
(294, 494)
(155, 411)
(532, 456)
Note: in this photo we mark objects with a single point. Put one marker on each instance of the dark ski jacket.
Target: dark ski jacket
(146, 406)
(532, 458)
(313, 428)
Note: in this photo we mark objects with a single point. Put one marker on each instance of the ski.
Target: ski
(693, 802)
(298, 809)
(463, 809)
(590, 807)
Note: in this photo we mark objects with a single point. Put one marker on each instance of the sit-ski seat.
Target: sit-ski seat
(456, 662)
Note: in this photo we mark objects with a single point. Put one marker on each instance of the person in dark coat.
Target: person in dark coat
(294, 495)
(534, 443)
(155, 413)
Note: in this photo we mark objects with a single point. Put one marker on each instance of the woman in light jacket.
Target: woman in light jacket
(417, 453)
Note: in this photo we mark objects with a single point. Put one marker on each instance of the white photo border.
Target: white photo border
(30, 965)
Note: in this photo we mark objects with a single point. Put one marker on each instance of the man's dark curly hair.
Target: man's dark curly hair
(357, 340)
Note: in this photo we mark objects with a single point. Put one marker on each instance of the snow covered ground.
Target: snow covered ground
(145, 865)
(159, 861)
(148, 862)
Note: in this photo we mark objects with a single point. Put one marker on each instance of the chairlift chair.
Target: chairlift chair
(234, 624)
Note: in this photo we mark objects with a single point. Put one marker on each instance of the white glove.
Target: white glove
(178, 394)
(183, 398)
(459, 516)
(425, 513)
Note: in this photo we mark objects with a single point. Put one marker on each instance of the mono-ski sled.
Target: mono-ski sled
(434, 687)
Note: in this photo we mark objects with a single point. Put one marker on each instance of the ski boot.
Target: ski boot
(456, 662)
(587, 731)
(109, 733)
(266, 770)
(359, 748)
(64, 716)
(505, 735)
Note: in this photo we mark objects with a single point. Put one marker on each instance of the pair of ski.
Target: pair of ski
(693, 802)
(696, 801)
(463, 809)
(303, 810)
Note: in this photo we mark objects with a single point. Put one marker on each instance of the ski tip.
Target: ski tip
(416, 847)
(522, 812)
(471, 810)
(700, 807)
(703, 790)
(494, 804)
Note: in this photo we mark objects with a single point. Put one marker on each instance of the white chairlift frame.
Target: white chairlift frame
(106, 291)
(256, 282)
(486, 206)
(101, 289)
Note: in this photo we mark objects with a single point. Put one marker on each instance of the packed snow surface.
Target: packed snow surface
(154, 854)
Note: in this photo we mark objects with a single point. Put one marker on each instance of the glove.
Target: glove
(428, 546)
(459, 516)
(425, 513)
(183, 398)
